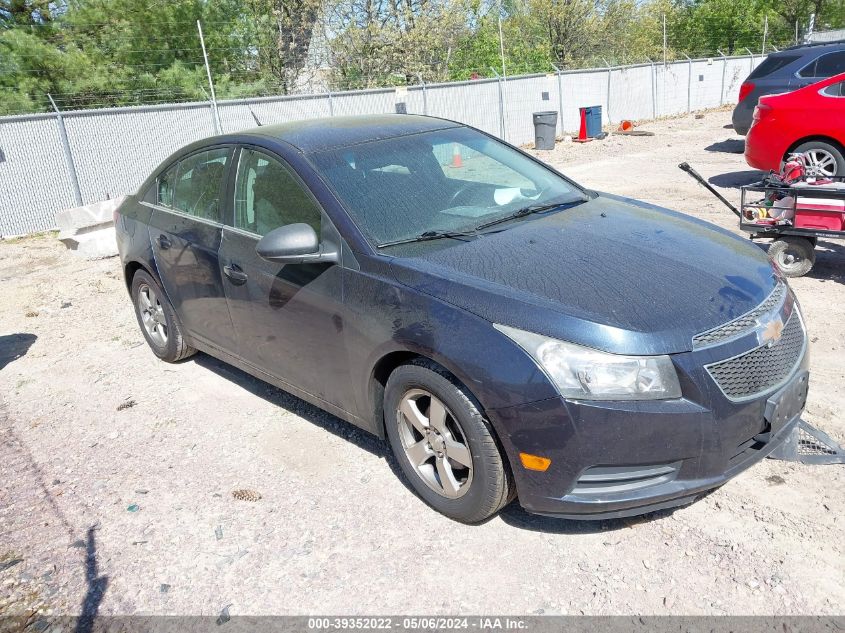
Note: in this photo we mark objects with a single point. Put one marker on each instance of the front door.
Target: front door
(288, 318)
(185, 231)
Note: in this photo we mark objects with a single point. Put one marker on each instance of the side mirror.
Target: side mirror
(294, 244)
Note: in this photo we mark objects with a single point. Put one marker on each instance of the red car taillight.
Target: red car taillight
(744, 89)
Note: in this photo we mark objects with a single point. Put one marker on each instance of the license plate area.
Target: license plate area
(784, 406)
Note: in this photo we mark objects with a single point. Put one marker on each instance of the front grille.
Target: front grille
(763, 368)
(740, 325)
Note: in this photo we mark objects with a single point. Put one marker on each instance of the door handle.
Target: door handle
(235, 274)
(164, 242)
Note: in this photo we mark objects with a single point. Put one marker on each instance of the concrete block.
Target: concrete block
(89, 230)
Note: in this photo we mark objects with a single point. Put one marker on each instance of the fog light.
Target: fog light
(535, 462)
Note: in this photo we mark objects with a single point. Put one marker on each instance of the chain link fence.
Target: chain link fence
(49, 162)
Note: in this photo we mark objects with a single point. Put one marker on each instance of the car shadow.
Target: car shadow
(280, 398)
(512, 515)
(728, 146)
(13, 346)
(289, 402)
(736, 179)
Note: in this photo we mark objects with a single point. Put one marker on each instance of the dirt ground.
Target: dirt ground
(117, 471)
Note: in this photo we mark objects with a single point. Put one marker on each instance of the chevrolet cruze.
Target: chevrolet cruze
(510, 333)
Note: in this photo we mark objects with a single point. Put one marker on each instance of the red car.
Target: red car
(810, 120)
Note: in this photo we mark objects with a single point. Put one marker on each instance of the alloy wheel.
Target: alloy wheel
(152, 315)
(820, 163)
(434, 443)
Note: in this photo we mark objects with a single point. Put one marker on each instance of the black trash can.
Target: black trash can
(545, 126)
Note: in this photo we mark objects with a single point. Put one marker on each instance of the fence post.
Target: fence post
(559, 95)
(689, 83)
(724, 69)
(424, 94)
(218, 127)
(765, 33)
(609, 75)
(752, 59)
(331, 102)
(653, 90)
(71, 167)
(501, 105)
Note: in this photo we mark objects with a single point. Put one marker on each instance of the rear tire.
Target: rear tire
(824, 159)
(794, 256)
(435, 427)
(157, 319)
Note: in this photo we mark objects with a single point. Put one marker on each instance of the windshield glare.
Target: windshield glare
(448, 180)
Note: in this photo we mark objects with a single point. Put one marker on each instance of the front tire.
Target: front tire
(157, 319)
(794, 256)
(443, 444)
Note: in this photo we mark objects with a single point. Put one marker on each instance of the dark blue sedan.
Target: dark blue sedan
(509, 332)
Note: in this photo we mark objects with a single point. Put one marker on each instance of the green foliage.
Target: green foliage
(96, 53)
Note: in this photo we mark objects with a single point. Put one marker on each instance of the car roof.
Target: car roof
(314, 135)
(820, 47)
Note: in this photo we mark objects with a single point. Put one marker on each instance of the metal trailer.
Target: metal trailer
(794, 239)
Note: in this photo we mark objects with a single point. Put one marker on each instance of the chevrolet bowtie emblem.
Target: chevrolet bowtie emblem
(770, 331)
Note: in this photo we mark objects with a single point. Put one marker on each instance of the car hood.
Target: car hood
(613, 273)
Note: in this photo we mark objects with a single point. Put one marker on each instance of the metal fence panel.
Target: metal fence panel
(476, 104)
(114, 150)
(34, 181)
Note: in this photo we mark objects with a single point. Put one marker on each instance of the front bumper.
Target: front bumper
(616, 459)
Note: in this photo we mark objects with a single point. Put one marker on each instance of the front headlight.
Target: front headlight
(588, 374)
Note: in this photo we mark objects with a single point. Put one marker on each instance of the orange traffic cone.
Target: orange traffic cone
(582, 132)
(457, 161)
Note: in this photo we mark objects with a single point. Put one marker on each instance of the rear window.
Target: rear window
(771, 64)
(825, 66)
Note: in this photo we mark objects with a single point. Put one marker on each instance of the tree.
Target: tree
(16, 13)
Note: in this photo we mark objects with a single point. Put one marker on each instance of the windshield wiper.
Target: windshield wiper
(429, 235)
(534, 208)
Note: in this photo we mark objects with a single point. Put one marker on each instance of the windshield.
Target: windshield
(445, 181)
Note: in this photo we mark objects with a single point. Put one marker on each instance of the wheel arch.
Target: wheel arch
(133, 266)
(385, 366)
(814, 137)
(397, 358)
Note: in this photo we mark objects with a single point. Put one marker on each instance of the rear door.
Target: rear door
(822, 67)
(288, 318)
(185, 231)
(833, 114)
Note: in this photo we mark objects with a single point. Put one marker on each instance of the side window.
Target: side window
(772, 64)
(165, 186)
(831, 64)
(835, 90)
(197, 183)
(825, 66)
(268, 196)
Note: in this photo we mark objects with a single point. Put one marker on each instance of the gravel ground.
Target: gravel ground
(117, 471)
